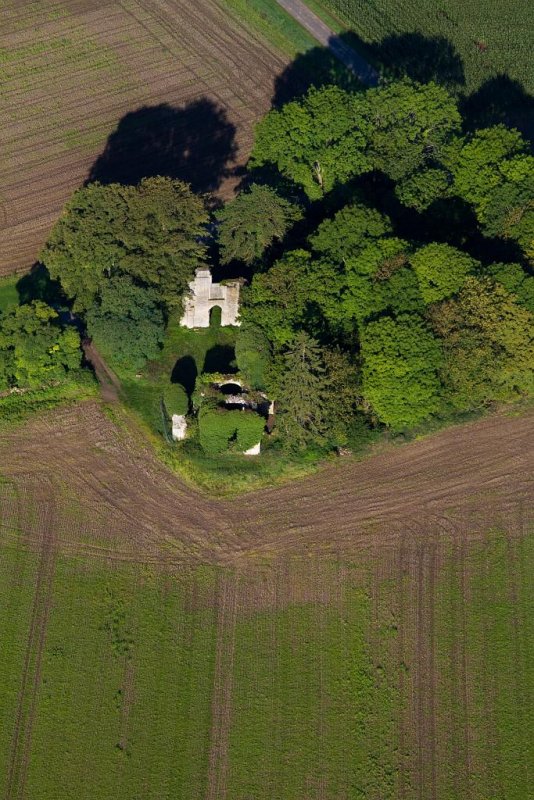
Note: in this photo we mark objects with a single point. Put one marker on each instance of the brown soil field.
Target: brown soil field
(140, 82)
(403, 523)
(462, 481)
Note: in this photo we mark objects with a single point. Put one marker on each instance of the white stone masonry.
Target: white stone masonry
(205, 295)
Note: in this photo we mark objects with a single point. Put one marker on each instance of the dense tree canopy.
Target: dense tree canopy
(317, 141)
(126, 322)
(252, 222)
(441, 270)
(151, 232)
(35, 351)
(383, 303)
(488, 343)
(301, 388)
(401, 359)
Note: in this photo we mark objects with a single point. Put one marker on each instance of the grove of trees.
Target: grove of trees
(389, 258)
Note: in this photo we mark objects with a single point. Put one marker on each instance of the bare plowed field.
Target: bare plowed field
(366, 632)
(466, 479)
(177, 85)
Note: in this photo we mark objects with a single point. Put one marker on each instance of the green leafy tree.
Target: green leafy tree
(151, 232)
(127, 323)
(300, 391)
(342, 393)
(516, 282)
(487, 160)
(317, 141)
(509, 213)
(410, 125)
(401, 358)
(349, 231)
(277, 299)
(35, 351)
(253, 354)
(252, 222)
(488, 342)
(441, 270)
(420, 189)
(368, 277)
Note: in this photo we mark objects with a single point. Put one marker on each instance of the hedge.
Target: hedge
(222, 430)
(175, 399)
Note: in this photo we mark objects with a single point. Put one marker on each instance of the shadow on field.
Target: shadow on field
(195, 143)
(423, 59)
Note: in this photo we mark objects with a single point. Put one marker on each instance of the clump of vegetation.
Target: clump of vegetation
(175, 399)
(221, 430)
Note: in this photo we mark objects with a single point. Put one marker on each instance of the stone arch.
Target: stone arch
(216, 314)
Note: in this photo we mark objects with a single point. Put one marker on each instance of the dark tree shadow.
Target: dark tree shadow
(38, 285)
(317, 67)
(421, 58)
(195, 144)
(220, 358)
(412, 55)
(500, 100)
(185, 372)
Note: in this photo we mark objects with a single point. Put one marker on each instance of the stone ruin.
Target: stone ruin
(179, 427)
(204, 295)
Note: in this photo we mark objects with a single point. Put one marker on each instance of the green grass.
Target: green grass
(9, 295)
(310, 670)
(492, 38)
(113, 720)
(492, 638)
(273, 23)
(313, 705)
(208, 347)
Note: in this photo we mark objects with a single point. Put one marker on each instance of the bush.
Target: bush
(249, 429)
(221, 430)
(175, 399)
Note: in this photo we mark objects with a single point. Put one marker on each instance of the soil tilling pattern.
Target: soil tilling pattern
(76, 483)
(470, 478)
(72, 70)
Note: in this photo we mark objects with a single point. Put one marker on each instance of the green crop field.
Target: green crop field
(377, 677)
(489, 38)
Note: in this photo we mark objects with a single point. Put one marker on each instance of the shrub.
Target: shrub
(175, 399)
(221, 430)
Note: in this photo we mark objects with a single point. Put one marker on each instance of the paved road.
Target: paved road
(327, 37)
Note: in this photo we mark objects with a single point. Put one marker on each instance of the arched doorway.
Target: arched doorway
(215, 316)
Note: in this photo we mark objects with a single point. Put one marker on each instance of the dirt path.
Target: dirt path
(327, 37)
(109, 383)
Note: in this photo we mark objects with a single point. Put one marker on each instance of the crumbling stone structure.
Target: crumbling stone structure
(204, 295)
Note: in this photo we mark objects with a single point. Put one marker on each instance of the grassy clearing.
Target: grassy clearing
(186, 354)
(491, 38)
